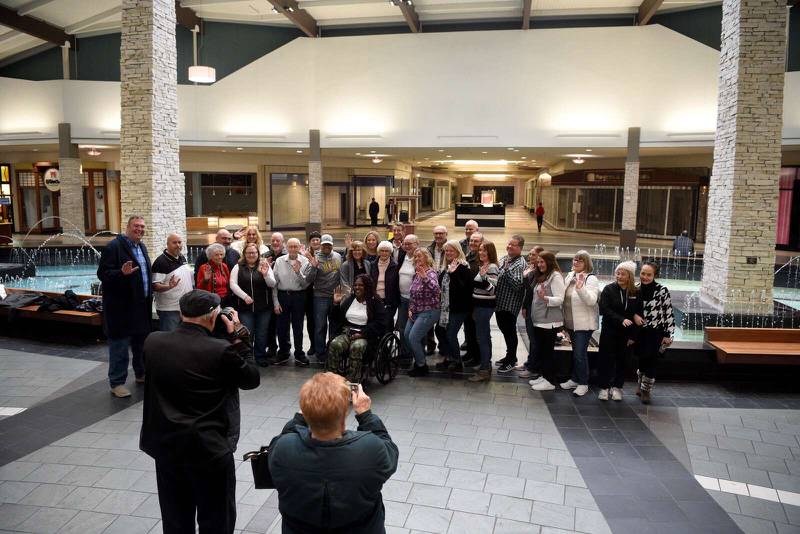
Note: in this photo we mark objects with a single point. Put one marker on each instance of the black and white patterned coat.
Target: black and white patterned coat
(658, 311)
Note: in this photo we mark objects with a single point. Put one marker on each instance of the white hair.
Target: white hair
(385, 244)
(293, 240)
(213, 248)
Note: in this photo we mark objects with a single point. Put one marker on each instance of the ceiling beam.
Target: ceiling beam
(85, 23)
(186, 17)
(526, 14)
(30, 7)
(647, 9)
(409, 13)
(300, 17)
(35, 27)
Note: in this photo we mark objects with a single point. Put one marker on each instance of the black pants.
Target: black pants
(471, 338)
(208, 491)
(507, 322)
(310, 318)
(545, 342)
(293, 310)
(647, 345)
(613, 357)
(539, 221)
(374, 220)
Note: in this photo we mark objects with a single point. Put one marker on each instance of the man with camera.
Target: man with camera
(191, 413)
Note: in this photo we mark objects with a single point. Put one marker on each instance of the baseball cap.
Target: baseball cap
(327, 239)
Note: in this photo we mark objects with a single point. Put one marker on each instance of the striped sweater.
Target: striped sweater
(483, 292)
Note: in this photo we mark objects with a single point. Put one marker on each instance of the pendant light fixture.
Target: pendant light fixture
(200, 73)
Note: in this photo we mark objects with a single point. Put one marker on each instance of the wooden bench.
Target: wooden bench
(61, 316)
(761, 346)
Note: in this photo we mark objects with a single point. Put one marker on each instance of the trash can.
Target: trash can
(403, 216)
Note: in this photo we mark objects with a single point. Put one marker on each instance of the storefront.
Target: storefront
(217, 199)
(788, 234)
(38, 205)
(6, 204)
(95, 200)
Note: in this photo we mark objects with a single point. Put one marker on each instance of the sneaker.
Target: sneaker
(543, 385)
(281, 359)
(140, 379)
(535, 380)
(301, 361)
(506, 368)
(569, 384)
(500, 362)
(120, 392)
(481, 376)
(421, 370)
(616, 394)
(580, 391)
(603, 395)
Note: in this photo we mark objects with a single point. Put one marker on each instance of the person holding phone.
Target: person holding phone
(328, 478)
(360, 322)
(544, 309)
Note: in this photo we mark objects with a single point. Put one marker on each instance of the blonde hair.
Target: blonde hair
(360, 245)
(456, 245)
(377, 239)
(258, 240)
(428, 258)
(587, 260)
(324, 401)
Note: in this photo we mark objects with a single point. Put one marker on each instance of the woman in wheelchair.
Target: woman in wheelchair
(360, 321)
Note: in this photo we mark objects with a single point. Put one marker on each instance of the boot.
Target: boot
(638, 384)
(647, 389)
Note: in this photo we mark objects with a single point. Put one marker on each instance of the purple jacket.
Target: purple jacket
(424, 293)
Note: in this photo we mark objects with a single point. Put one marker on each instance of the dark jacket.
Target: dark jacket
(460, 289)
(616, 305)
(126, 309)
(391, 282)
(231, 259)
(374, 208)
(376, 320)
(190, 376)
(332, 486)
(252, 282)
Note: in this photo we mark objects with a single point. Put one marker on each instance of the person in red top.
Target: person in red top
(539, 216)
(214, 275)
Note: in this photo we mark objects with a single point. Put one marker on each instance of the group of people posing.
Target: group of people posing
(349, 298)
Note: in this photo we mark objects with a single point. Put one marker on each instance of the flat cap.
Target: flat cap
(198, 302)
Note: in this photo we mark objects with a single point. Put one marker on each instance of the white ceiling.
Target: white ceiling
(83, 17)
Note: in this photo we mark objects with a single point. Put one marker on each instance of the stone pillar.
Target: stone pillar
(151, 185)
(314, 183)
(630, 191)
(70, 200)
(739, 257)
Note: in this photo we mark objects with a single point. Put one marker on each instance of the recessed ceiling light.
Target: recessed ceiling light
(511, 148)
(577, 161)
(484, 152)
(299, 151)
(358, 153)
(376, 160)
(372, 151)
(441, 150)
(449, 156)
(588, 150)
(36, 150)
(239, 148)
(523, 157)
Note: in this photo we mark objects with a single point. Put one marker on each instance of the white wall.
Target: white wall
(517, 88)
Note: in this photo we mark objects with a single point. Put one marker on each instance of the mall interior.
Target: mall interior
(630, 121)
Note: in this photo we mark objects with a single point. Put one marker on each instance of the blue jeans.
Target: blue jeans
(416, 331)
(258, 324)
(118, 358)
(402, 319)
(482, 316)
(322, 309)
(580, 360)
(168, 320)
(293, 304)
(453, 348)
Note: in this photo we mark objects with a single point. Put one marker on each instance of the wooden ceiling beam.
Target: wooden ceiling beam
(186, 17)
(35, 27)
(299, 17)
(647, 9)
(526, 14)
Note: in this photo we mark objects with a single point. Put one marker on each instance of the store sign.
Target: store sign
(52, 180)
(5, 201)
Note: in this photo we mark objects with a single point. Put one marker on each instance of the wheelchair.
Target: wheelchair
(383, 363)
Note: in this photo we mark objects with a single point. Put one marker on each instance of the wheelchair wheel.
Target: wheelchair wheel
(387, 360)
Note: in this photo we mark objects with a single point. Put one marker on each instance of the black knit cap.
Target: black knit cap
(198, 302)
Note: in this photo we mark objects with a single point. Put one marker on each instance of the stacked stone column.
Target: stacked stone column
(314, 183)
(739, 254)
(630, 191)
(150, 183)
(70, 200)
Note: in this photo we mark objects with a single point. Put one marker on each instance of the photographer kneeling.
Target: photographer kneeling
(191, 413)
(360, 321)
(328, 478)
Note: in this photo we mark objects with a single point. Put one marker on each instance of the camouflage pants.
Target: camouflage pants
(337, 350)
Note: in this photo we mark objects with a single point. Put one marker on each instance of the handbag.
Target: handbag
(259, 462)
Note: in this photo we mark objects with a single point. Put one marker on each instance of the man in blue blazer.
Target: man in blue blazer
(127, 303)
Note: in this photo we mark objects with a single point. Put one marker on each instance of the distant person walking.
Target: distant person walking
(683, 245)
(374, 209)
(125, 273)
(539, 216)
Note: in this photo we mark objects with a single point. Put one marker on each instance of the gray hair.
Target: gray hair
(293, 240)
(213, 248)
(385, 245)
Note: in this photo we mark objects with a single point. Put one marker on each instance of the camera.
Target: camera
(219, 326)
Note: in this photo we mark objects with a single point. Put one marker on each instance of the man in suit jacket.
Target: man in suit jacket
(191, 414)
(224, 238)
(124, 271)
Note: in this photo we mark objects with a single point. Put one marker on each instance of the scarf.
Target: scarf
(380, 286)
(444, 316)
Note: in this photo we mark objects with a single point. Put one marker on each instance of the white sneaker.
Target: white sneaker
(603, 395)
(120, 392)
(535, 381)
(569, 384)
(616, 394)
(580, 391)
(543, 385)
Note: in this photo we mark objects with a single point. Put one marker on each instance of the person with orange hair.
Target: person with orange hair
(328, 478)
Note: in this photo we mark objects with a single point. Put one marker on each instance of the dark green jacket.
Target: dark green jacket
(327, 487)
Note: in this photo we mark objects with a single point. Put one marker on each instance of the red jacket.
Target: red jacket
(218, 283)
